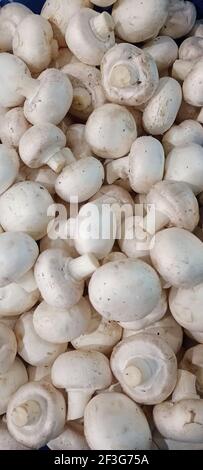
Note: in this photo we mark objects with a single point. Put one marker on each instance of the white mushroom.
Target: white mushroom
(186, 307)
(8, 348)
(13, 126)
(9, 167)
(36, 414)
(18, 297)
(129, 75)
(44, 176)
(193, 85)
(114, 411)
(155, 315)
(33, 349)
(137, 21)
(181, 69)
(110, 131)
(10, 381)
(72, 438)
(185, 163)
(187, 132)
(146, 367)
(163, 50)
(193, 362)
(11, 16)
(191, 48)
(7, 442)
(76, 141)
(89, 35)
(81, 374)
(181, 19)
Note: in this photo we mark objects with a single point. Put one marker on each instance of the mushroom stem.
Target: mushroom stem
(83, 267)
(185, 387)
(77, 401)
(102, 25)
(81, 99)
(61, 158)
(132, 376)
(117, 169)
(28, 86)
(154, 220)
(121, 76)
(27, 413)
(27, 281)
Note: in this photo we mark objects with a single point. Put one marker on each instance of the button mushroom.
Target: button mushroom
(18, 297)
(9, 165)
(192, 361)
(187, 132)
(185, 163)
(13, 126)
(10, 381)
(11, 16)
(72, 438)
(193, 85)
(76, 141)
(180, 20)
(163, 50)
(186, 307)
(8, 348)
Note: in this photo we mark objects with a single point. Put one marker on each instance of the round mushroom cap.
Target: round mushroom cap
(81, 370)
(193, 362)
(10, 382)
(35, 201)
(10, 16)
(60, 326)
(180, 20)
(110, 131)
(129, 75)
(124, 290)
(8, 348)
(193, 85)
(13, 126)
(177, 255)
(163, 50)
(122, 423)
(15, 299)
(146, 367)
(185, 163)
(18, 253)
(191, 48)
(12, 72)
(137, 21)
(187, 132)
(9, 164)
(186, 307)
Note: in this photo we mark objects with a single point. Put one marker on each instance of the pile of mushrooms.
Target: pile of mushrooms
(101, 213)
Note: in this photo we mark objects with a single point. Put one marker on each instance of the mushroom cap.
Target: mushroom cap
(8, 348)
(181, 421)
(156, 363)
(81, 370)
(163, 50)
(35, 200)
(10, 382)
(186, 307)
(110, 131)
(177, 255)
(10, 16)
(192, 361)
(137, 21)
(52, 100)
(129, 75)
(39, 143)
(9, 163)
(176, 200)
(18, 253)
(60, 326)
(191, 48)
(83, 39)
(180, 20)
(7, 442)
(187, 132)
(33, 349)
(162, 109)
(12, 72)
(155, 315)
(13, 126)
(45, 176)
(122, 423)
(51, 421)
(124, 290)
(54, 281)
(185, 163)
(193, 85)
(15, 299)
(72, 438)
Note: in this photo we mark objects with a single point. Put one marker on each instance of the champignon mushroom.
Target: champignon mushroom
(129, 75)
(191, 48)
(76, 141)
(146, 367)
(10, 381)
(18, 297)
(193, 85)
(192, 361)
(154, 316)
(110, 131)
(9, 165)
(33, 349)
(72, 438)
(36, 413)
(11, 16)
(185, 163)
(115, 411)
(163, 50)
(186, 307)
(180, 20)
(13, 126)
(60, 278)
(8, 348)
(81, 373)
(181, 68)
(187, 132)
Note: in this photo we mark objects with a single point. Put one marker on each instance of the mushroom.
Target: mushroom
(72, 438)
(110, 131)
(7, 442)
(129, 75)
(191, 48)
(60, 278)
(197, 30)
(166, 328)
(193, 85)
(48, 98)
(10, 381)
(181, 19)
(8, 348)
(186, 307)
(181, 68)
(171, 444)
(89, 35)
(115, 411)
(18, 297)
(125, 290)
(137, 21)
(144, 166)
(45, 144)
(33, 43)
(35, 200)
(33, 349)
(200, 116)
(11, 16)
(36, 414)
(162, 109)
(186, 133)
(63, 58)
(44, 176)
(101, 335)
(60, 326)
(81, 373)
(154, 316)
(9, 164)
(88, 92)
(185, 163)
(76, 141)
(181, 419)
(103, 3)
(193, 362)
(163, 50)
(13, 126)
(18, 253)
(59, 13)
(177, 255)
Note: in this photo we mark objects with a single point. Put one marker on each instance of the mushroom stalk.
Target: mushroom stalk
(185, 387)
(26, 414)
(82, 267)
(102, 25)
(77, 401)
(117, 169)
(61, 158)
